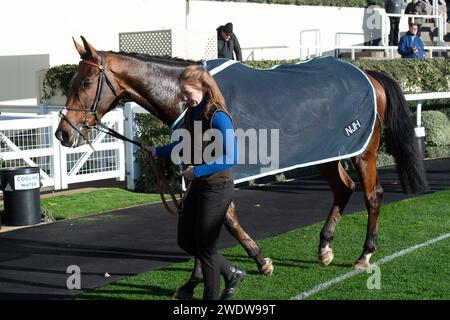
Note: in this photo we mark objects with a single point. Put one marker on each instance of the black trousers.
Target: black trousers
(393, 35)
(199, 228)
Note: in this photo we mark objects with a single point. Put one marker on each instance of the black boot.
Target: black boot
(236, 275)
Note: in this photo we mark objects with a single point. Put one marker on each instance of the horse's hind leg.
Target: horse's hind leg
(367, 171)
(342, 186)
(231, 222)
(186, 291)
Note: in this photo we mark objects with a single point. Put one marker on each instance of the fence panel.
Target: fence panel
(29, 140)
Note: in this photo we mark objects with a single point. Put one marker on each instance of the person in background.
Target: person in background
(416, 7)
(227, 43)
(447, 3)
(410, 45)
(393, 6)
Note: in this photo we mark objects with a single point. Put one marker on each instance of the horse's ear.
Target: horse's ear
(90, 50)
(80, 49)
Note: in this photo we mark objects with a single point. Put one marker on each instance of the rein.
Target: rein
(98, 125)
(158, 173)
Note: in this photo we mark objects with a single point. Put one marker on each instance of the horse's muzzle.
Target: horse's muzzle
(69, 139)
(64, 137)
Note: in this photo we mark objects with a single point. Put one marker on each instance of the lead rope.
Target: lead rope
(159, 175)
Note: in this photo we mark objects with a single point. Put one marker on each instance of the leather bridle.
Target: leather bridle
(98, 125)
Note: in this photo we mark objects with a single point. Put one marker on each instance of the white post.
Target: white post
(130, 164)
(186, 15)
(63, 167)
(121, 149)
(383, 30)
(419, 115)
(441, 28)
(420, 131)
(56, 159)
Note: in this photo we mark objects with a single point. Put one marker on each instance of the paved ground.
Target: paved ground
(34, 261)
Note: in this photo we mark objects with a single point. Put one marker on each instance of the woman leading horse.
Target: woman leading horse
(211, 187)
(152, 82)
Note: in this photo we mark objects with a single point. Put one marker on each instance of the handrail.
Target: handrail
(389, 50)
(420, 97)
(317, 46)
(252, 53)
(337, 37)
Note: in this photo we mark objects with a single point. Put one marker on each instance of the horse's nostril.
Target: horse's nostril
(62, 136)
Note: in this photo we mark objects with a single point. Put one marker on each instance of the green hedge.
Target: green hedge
(330, 3)
(58, 77)
(154, 133)
(413, 76)
(437, 128)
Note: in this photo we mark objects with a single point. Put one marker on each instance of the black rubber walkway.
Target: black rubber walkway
(34, 261)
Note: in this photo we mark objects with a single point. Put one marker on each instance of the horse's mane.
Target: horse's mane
(150, 58)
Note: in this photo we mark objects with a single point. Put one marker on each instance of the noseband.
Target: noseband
(93, 110)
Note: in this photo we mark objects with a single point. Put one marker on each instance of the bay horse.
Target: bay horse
(152, 82)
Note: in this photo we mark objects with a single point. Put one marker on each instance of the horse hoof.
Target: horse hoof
(267, 268)
(325, 257)
(361, 265)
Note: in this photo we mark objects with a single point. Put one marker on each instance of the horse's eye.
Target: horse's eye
(86, 83)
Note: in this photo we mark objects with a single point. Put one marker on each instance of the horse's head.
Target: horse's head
(92, 93)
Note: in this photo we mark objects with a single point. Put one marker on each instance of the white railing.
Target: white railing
(260, 51)
(28, 139)
(389, 51)
(338, 36)
(420, 97)
(317, 43)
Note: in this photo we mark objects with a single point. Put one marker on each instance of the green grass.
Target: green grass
(423, 274)
(97, 201)
(93, 202)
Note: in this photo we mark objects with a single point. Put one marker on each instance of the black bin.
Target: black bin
(21, 196)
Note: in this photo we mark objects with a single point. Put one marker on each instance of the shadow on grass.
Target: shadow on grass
(122, 291)
(295, 263)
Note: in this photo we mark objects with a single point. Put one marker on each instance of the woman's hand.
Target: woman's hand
(189, 173)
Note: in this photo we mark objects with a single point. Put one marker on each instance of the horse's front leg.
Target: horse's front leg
(231, 222)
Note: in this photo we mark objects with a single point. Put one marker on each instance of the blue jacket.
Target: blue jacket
(220, 121)
(407, 43)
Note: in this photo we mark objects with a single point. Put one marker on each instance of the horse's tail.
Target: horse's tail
(400, 137)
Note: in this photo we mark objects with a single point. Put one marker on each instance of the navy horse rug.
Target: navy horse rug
(313, 112)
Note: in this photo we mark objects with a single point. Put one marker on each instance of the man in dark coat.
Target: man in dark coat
(393, 6)
(227, 43)
(416, 7)
(447, 3)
